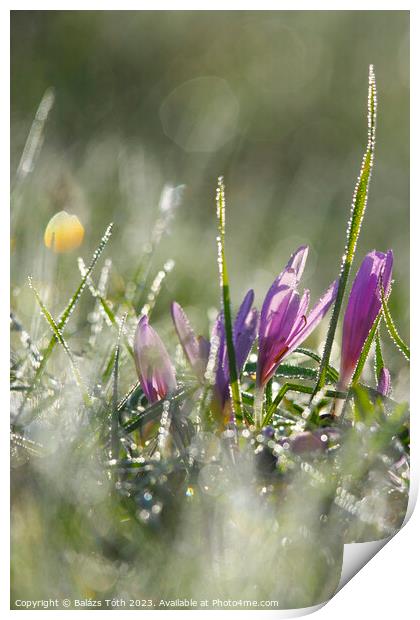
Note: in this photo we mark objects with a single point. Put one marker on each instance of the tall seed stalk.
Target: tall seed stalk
(359, 203)
(224, 285)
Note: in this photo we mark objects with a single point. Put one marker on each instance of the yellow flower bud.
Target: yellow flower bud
(64, 232)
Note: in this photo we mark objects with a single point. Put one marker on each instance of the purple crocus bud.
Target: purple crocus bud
(384, 382)
(196, 349)
(245, 330)
(285, 323)
(244, 333)
(362, 309)
(154, 367)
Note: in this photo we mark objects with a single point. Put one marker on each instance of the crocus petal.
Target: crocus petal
(195, 352)
(154, 368)
(363, 307)
(384, 382)
(315, 316)
(245, 338)
(244, 329)
(204, 348)
(301, 318)
(219, 334)
(242, 315)
(285, 318)
(221, 385)
(297, 261)
(273, 344)
(288, 278)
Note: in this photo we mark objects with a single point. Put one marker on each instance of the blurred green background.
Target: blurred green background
(275, 101)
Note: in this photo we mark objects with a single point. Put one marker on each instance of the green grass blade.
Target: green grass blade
(156, 287)
(224, 283)
(296, 372)
(73, 301)
(358, 208)
(59, 337)
(392, 330)
(154, 411)
(134, 388)
(279, 397)
(115, 444)
(332, 372)
(379, 360)
(295, 387)
(365, 351)
(170, 200)
(107, 309)
(95, 292)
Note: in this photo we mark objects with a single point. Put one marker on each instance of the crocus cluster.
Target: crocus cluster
(284, 323)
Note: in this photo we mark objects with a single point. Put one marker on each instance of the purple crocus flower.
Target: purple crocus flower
(154, 367)
(284, 323)
(244, 333)
(362, 309)
(197, 349)
(384, 382)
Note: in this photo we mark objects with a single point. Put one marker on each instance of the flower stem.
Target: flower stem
(258, 406)
(269, 392)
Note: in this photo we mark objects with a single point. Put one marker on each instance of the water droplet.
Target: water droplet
(144, 515)
(157, 508)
